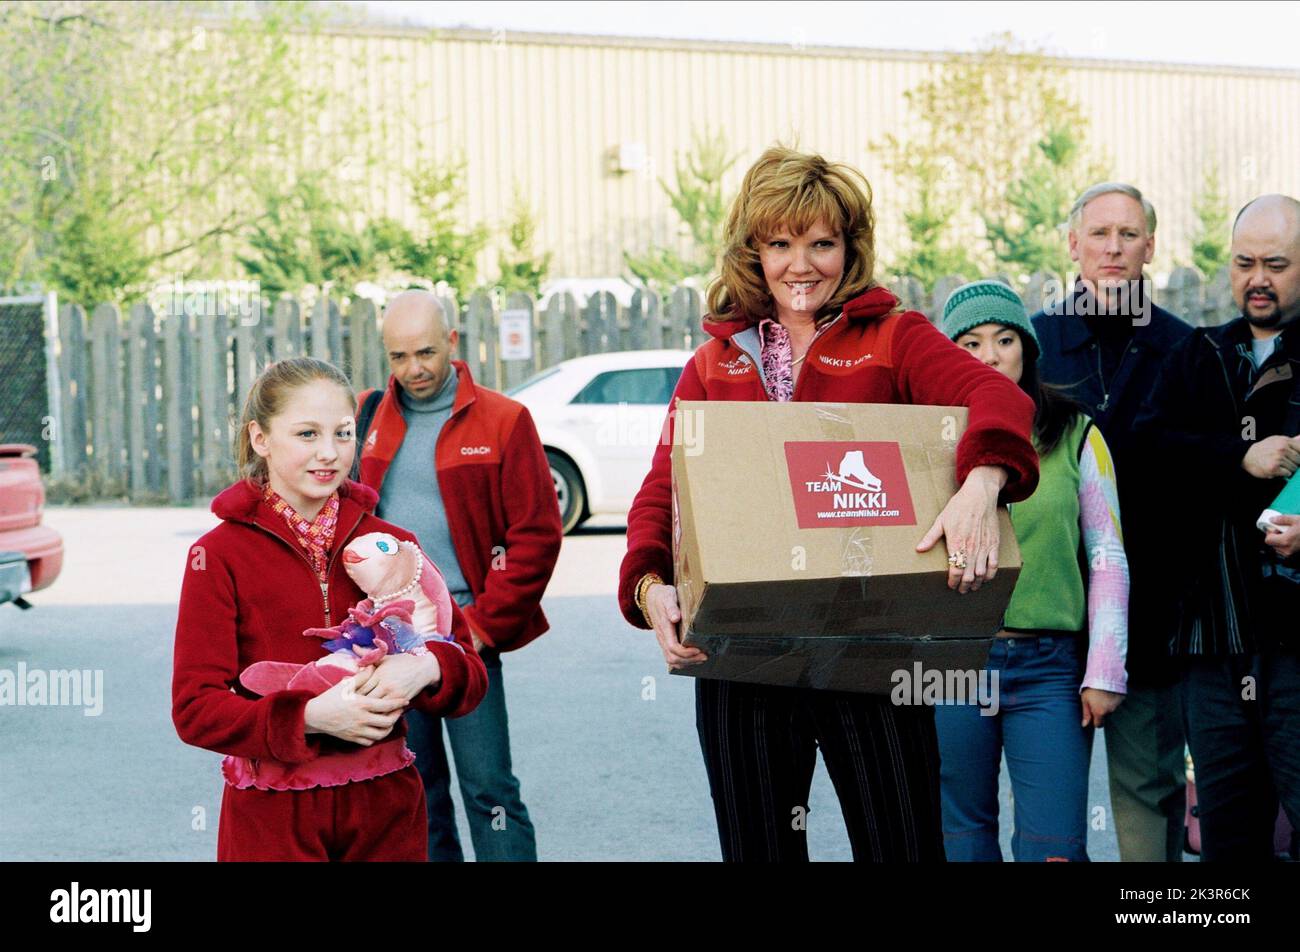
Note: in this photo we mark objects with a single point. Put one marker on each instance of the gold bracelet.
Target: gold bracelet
(642, 590)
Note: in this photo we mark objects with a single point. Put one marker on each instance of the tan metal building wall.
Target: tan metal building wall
(545, 110)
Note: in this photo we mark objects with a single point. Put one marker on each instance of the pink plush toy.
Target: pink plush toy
(408, 605)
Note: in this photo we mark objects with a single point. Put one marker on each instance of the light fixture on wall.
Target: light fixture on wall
(627, 157)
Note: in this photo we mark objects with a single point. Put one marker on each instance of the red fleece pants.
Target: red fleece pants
(379, 820)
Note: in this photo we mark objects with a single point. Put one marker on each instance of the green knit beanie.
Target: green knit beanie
(988, 302)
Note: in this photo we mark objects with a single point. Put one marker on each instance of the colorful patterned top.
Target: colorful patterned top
(316, 537)
(1075, 509)
(778, 358)
(1108, 578)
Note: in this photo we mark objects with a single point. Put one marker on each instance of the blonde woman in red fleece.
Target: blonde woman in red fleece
(797, 315)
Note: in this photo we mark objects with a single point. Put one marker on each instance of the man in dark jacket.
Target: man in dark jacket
(1103, 343)
(1224, 419)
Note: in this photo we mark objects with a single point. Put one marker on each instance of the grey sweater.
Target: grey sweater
(410, 496)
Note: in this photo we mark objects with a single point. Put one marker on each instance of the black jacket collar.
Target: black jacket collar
(1237, 331)
(1153, 335)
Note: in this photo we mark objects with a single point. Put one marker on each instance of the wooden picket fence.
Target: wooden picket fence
(148, 403)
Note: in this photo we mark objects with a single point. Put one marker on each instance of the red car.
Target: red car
(31, 554)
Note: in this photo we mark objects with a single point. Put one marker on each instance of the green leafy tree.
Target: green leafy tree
(443, 248)
(1210, 242)
(697, 198)
(92, 256)
(307, 237)
(1030, 234)
(522, 269)
(930, 254)
(131, 134)
(972, 118)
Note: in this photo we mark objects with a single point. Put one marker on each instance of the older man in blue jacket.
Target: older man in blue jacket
(1103, 342)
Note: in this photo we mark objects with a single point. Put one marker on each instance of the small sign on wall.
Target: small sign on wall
(516, 335)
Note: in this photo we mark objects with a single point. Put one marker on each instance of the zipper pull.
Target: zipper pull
(325, 596)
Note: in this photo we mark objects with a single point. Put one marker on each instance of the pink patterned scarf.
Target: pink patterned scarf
(316, 537)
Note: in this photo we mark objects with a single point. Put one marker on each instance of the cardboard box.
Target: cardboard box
(794, 542)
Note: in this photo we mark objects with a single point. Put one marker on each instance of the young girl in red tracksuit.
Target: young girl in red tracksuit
(308, 777)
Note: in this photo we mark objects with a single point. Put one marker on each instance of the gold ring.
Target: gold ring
(957, 560)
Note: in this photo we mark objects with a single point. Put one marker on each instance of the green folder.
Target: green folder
(1286, 503)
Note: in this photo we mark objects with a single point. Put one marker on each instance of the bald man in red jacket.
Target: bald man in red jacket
(462, 467)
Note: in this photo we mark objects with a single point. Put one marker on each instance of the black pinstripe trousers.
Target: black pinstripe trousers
(760, 748)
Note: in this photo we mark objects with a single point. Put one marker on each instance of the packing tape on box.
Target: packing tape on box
(811, 662)
(802, 661)
(857, 553)
(833, 425)
(797, 661)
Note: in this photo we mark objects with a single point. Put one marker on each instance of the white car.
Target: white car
(599, 418)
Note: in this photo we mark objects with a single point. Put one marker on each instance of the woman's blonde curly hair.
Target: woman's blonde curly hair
(790, 190)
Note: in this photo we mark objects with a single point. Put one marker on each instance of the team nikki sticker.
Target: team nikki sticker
(848, 484)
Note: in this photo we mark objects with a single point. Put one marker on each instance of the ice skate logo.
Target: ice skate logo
(853, 472)
(834, 486)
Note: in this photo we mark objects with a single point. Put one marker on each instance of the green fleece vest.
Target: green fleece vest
(1049, 592)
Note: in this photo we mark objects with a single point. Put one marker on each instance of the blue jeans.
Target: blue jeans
(480, 741)
(1048, 755)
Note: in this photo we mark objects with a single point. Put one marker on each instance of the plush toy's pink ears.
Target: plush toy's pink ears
(267, 677)
(436, 589)
(318, 678)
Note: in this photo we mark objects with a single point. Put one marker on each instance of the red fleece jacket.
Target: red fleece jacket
(871, 353)
(249, 593)
(500, 501)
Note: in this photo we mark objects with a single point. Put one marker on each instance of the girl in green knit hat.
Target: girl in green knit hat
(1070, 603)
